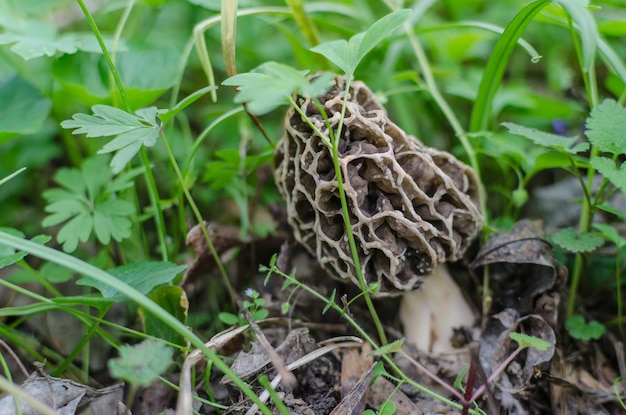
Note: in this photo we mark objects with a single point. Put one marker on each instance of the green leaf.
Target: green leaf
(586, 25)
(142, 363)
(390, 348)
(557, 142)
(173, 300)
(227, 318)
(585, 242)
(348, 55)
(524, 341)
(387, 408)
(271, 84)
(131, 131)
(331, 301)
(579, 329)
(8, 255)
(22, 108)
(609, 170)
(609, 232)
(167, 115)
(88, 203)
(606, 127)
(142, 276)
(494, 70)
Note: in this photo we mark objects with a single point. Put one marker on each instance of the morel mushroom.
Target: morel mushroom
(411, 207)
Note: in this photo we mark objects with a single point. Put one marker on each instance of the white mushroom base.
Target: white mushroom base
(430, 314)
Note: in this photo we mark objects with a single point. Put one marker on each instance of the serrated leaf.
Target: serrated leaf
(606, 127)
(607, 168)
(579, 329)
(525, 341)
(142, 363)
(557, 142)
(585, 242)
(271, 84)
(131, 130)
(143, 276)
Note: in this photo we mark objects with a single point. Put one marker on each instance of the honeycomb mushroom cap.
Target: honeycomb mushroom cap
(410, 206)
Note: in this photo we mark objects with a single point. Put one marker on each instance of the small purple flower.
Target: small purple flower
(559, 127)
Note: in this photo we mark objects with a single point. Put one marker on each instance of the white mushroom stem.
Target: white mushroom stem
(430, 314)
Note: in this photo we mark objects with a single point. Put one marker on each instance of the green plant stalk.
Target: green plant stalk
(104, 277)
(264, 381)
(5, 369)
(365, 336)
(200, 220)
(334, 145)
(150, 182)
(305, 24)
(346, 218)
(587, 211)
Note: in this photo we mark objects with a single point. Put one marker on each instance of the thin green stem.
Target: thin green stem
(333, 143)
(200, 220)
(150, 182)
(587, 211)
(150, 306)
(335, 138)
(365, 336)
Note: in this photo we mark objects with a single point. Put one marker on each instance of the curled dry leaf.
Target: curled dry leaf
(65, 396)
(496, 346)
(410, 206)
(520, 265)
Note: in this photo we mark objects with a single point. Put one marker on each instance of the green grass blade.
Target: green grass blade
(586, 26)
(496, 65)
(305, 24)
(104, 277)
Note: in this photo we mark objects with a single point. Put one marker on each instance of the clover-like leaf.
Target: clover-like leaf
(606, 127)
(131, 131)
(584, 242)
(87, 202)
(142, 363)
(609, 170)
(271, 84)
(580, 329)
(557, 142)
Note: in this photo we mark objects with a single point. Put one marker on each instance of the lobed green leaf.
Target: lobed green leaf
(142, 363)
(584, 242)
(580, 329)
